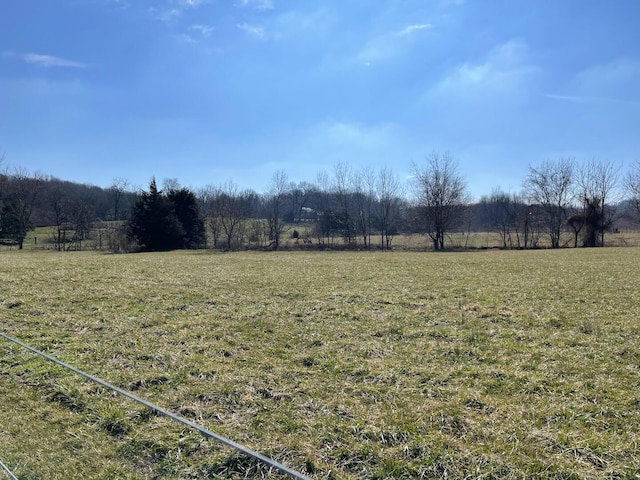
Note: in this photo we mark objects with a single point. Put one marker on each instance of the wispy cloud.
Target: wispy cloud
(373, 143)
(411, 29)
(607, 79)
(568, 98)
(254, 31)
(257, 4)
(174, 9)
(190, 3)
(46, 61)
(615, 82)
(588, 99)
(165, 15)
(505, 70)
(356, 134)
(204, 30)
(196, 33)
(390, 44)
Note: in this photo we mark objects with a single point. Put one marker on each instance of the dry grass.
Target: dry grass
(490, 364)
(41, 239)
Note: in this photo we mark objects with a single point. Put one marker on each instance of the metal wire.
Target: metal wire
(166, 413)
(9, 472)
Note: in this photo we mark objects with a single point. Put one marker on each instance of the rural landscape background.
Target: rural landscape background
(561, 202)
(368, 240)
(342, 348)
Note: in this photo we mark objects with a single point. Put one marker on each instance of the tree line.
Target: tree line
(561, 203)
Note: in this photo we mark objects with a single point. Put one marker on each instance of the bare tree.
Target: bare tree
(274, 208)
(23, 190)
(577, 222)
(597, 183)
(206, 196)
(441, 194)
(321, 203)
(388, 205)
(342, 174)
(81, 218)
(3, 182)
(322, 193)
(169, 184)
(504, 212)
(363, 198)
(118, 189)
(57, 200)
(550, 187)
(229, 210)
(632, 186)
(299, 198)
(8, 223)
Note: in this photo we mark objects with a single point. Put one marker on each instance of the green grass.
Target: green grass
(492, 364)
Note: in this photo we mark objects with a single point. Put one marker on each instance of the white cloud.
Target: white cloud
(49, 61)
(190, 3)
(185, 38)
(587, 99)
(609, 78)
(567, 98)
(354, 134)
(390, 45)
(410, 29)
(614, 82)
(483, 100)
(174, 9)
(165, 15)
(257, 4)
(504, 71)
(253, 30)
(196, 34)
(204, 30)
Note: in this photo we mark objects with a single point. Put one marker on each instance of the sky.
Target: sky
(211, 91)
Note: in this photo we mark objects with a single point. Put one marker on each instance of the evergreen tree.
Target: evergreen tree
(166, 221)
(187, 212)
(153, 224)
(10, 226)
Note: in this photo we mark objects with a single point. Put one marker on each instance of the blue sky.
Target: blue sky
(208, 91)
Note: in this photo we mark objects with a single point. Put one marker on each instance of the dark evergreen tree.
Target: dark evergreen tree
(10, 225)
(153, 224)
(185, 206)
(594, 222)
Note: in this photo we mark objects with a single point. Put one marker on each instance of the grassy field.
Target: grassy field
(488, 364)
(42, 239)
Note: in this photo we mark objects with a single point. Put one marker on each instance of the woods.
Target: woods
(562, 203)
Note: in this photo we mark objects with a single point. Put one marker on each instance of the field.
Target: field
(343, 365)
(42, 239)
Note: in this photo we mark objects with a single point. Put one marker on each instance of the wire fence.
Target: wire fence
(7, 471)
(207, 433)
